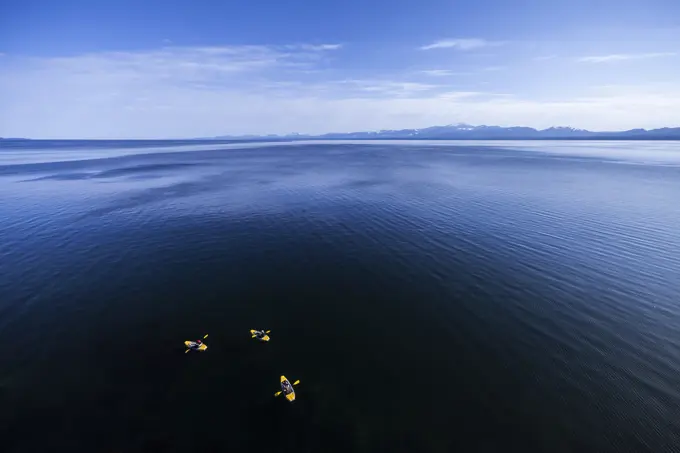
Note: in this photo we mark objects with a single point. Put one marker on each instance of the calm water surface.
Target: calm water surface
(431, 296)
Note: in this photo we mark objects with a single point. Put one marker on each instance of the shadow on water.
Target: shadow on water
(139, 171)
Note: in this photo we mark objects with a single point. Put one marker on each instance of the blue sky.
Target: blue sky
(147, 69)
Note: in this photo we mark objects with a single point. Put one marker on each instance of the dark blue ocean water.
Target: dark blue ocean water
(431, 296)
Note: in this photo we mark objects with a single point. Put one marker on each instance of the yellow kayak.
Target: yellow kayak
(289, 396)
(202, 347)
(265, 338)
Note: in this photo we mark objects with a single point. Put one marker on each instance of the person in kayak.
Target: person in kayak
(286, 387)
(196, 344)
(259, 334)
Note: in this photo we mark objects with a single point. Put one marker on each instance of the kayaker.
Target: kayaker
(260, 334)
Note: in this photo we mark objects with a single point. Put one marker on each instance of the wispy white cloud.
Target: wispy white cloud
(461, 44)
(441, 72)
(612, 58)
(181, 65)
(393, 88)
(319, 47)
(462, 95)
(349, 88)
(545, 57)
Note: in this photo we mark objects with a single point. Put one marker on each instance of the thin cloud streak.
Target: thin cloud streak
(461, 44)
(216, 64)
(320, 47)
(392, 88)
(441, 72)
(624, 57)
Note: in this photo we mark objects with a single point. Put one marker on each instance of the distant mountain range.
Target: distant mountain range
(468, 132)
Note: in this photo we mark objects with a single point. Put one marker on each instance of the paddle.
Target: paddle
(204, 337)
(280, 392)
